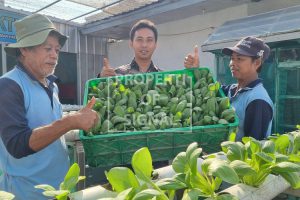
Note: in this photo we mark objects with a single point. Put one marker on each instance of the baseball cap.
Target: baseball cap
(249, 46)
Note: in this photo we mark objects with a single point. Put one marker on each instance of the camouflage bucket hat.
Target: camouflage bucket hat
(33, 30)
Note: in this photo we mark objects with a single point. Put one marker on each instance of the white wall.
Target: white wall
(177, 39)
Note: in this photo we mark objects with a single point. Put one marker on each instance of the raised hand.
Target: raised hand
(192, 60)
(87, 118)
(107, 70)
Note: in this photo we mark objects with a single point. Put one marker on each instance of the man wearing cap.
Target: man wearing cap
(248, 96)
(32, 148)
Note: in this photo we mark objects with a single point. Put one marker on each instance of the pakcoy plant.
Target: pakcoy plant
(6, 195)
(199, 184)
(254, 160)
(71, 179)
(136, 184)
(288, 144)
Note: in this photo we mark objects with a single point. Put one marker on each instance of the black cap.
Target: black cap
(249, 46)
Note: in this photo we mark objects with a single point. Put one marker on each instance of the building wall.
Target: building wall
(177, 39)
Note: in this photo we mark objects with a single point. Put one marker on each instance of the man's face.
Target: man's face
(243, 67)
(42, 60)
(143, 44)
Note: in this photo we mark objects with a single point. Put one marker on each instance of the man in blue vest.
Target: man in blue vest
(32, 148)
(248, 96)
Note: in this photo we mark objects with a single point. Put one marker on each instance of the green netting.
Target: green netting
(288, 89)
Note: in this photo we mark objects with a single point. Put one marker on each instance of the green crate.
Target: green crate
(117, 148)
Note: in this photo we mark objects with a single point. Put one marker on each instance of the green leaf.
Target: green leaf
(121, 178)
(246, 139)
(265, 157)
(294, 158)
(281, 158)
(56, 193)
(124, 194)
(71, 178)
(45, 187)
(236, 150)
(205, 164)
(200, 182)
(179, 177)
(222, 170)
(292, 178)
(296, 142)
(242, 168)
(190, 149)
(193, 160)
(180, 163)
(286, 167)
(232, 136)
(269, 147)
(226, 197)
(142, 162)
(63, 196)
(282, 143)
(255, 146)
(192, 194)
(80, 178)
(224, 145)
(146, 194)
(6, 195)
(218, 181)
(170, 184)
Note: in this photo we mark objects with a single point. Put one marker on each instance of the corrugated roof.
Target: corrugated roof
(77, 11)
(278, 25)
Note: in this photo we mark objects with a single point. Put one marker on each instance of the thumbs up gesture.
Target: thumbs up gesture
(107, 70)
(192, 60)
(86, 117)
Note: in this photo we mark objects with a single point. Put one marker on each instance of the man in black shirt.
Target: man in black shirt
(143, 40)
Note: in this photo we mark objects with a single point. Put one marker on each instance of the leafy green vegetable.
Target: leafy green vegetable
(200, 184)
(71, 179)
(6, 195)
(138, 184)
(253, 161)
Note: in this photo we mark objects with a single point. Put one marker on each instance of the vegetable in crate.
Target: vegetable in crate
(170, 100)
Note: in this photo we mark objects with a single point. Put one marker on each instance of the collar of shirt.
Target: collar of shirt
(50, 79)
(250, 86)
(152, 68)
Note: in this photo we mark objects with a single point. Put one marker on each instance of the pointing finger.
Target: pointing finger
(196, 57)
(105, 63)
(91, 103)
(196, 51)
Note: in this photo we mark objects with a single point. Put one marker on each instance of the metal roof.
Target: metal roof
(77, 11)
(278, 25)
(114, 18)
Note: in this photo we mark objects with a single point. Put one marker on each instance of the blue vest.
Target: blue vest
(242, 100)
(47, 166)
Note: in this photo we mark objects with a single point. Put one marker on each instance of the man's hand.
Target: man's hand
(87, 117)
(192, 61)
(107, 70)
